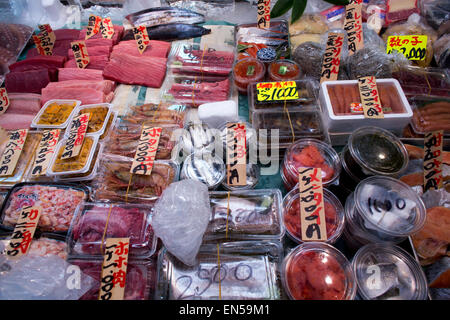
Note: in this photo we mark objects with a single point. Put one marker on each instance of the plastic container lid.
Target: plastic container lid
(284, 70)
(390, 206)
(318, 271)
(312, 153)
(387, 272)
(104, 120)
(334, 215)
(34, 123)
(246, 71)
(204, 167)
(250, 134)
(378, 151)
(253, 175)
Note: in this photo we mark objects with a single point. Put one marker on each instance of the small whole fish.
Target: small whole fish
(164, 15)
(172, 31)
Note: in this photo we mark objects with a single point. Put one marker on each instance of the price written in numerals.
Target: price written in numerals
(24, 231)
(312, 210)
(146, 150)
(432, 162)
(332, 57)
(12, 152)
(4, 101)
(107, 28)
(277, 91)
(77, 132)
(45, 151)
(353, 26)
(370, 98)
(263, 10)
(45, 40)
(81, 54)
(141, 37)
(236, 154)
(93, 26)
(413, 47)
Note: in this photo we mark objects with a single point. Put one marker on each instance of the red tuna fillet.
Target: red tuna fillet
(144, 71)
(14, 121)
(93, 51)
(24, 103)
(209, 62)
(28, 81)
(155, 49)
(96, 62)
(85, 95)
(91, 42)
(200, 93)
(118, 33)
(38, 62)
(67, 34)
(105, 86)
(65, 74)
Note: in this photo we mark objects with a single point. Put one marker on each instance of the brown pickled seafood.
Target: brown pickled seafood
(97, 119)
(149, 113)
(56, 113)
(76, 163)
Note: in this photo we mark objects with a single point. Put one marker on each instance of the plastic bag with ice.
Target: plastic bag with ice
(180, 218)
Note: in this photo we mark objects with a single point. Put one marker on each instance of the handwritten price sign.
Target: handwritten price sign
(45, 40)
(141, 37)
(24, 231)
(93, 27)
(370, 99)
(263, 7)
(107, 28)
(432, 162)
(4, 101)
(45, 151)
(77, 132)
(312, 210)
(146, 150)
(277, 91)
(332, 57)
(81, 54)
(236, 154)
(413, 47)
(12, 152)
(353, 26)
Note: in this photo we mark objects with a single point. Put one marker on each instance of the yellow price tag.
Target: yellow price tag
(413, 47)
(276, 91)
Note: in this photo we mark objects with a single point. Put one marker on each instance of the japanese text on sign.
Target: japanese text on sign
(4, 101)
(45, 151)
(370, 98)
(141, 37)
(263, 19)
(332, 57)
(93, 26)
(413, 47)
(432, 162)
(146, 150)
(312, 210)
(114, 269)
(236, 154)
(12, 152)
(45, 40)
(77, 132)
(107, 28)
(353, 26)
(276, 91)
(24, 231)
(80, 52)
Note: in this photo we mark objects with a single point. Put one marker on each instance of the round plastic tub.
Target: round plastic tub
(204, 167)
(318, 271)
(246, 71)
(252, 179)
(284, 70)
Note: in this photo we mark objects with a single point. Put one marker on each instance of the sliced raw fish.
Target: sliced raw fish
(105, 86)
(24, 103)
(154, 49)
(93, 51)
(35, 63)
(14, 121)
(85, 95)
(96, 62)
(28, 81)
(66, 34)
(65, 74)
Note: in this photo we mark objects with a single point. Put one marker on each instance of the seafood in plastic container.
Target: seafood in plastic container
(246, 71)
(427, 81)
(248, 271)
(197, 137)
(58, 202)
(284, 70)
(100, 114)
(318, 271)
(252, 179)
(250, 136)
(94, 222)
(114, 182)
(334, 215)
(245, 215)
(55, 114)
(203, 166)
(430, 113)
(168, 113)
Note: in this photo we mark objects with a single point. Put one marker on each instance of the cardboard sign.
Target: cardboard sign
(370, 98)
(24, 231)
(413, 47)
(332, 57)
(77, 132)
(312, 209)
(4, 101)
(141, 37)
(45, 151)
(93, 26)
(236, 154)
(353, 26)
(146, 150)
(12, 152)
(432, 162)
(263, 19)
(277, 91)
(81, 54)
(107, 28)
(45, 40)
(114, 269)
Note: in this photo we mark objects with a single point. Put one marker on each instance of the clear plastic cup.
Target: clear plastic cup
(246, 71)
(204, 167)
(284, 70)
(318, 271)
(252, 179)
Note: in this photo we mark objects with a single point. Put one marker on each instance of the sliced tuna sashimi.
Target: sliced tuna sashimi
(28, 81)
(79, 74)
(38, 62)
(118, 33)
(96, 62)
(200, 92)
(155, 49)
(86, 95)
(105, 86)
(91, 42)
(93, 51)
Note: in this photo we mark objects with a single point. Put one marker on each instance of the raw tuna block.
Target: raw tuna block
(38, 62)
(93, 51)
(96, 62)
(155, 49)
(28, 81)
(86, 95)
(65, 74)
(14, 121)
(24, 103)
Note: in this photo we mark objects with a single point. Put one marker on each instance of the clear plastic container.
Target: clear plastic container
(310, 153)
(109, 125)
(381, 210)
(251, 137)
(318, 271)
(387, 272)
(204, 167)
(96, 221)
(247, 71)
(55, 114)
(334, 216)
(430, 113)
(284, 70)
(197, 137)
(248, 270)
(251, 215)
(58, 201)
(98, 122)
(340, 99)
(253, 174)
(427, 81)
(140, 278)
(164, 112)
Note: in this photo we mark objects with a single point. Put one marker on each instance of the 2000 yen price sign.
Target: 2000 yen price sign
(413, 47)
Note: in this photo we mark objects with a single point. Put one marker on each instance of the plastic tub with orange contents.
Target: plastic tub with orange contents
(246, 71)
(284, 70)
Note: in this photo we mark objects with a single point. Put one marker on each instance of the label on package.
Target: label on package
(81, 54)
(353, 26)
(24, 231)
(107, 28)
(114, 269)
(236, 154)
(312, 210)
(432, 161)
(45, 152)
(413, 47)
(263, 10)
(141, 37)
(332, 57)
(277, 91)
(12, 152)
(93, 26)
(77, 132)
(4, 101)
(146, 150)
(370, 98)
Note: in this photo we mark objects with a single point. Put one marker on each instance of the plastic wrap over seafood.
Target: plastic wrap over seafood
(155, 113)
